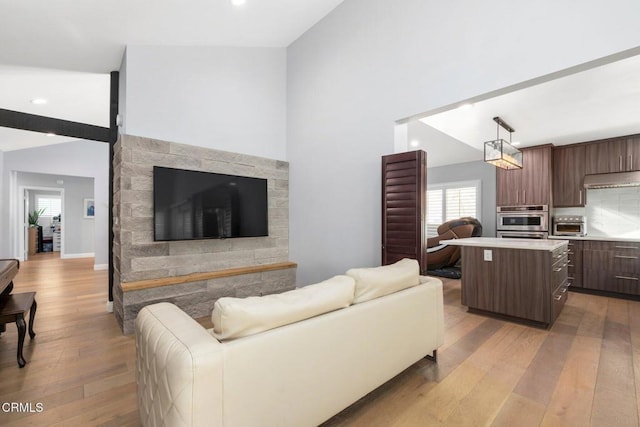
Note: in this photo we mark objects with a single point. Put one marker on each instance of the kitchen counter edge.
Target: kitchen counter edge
(598, 238)
(493, 242)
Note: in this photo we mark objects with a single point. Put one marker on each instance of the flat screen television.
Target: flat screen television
(189, 205)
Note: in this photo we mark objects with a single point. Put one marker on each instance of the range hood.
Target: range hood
(612, 180)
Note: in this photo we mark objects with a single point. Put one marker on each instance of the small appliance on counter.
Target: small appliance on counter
(570, 225)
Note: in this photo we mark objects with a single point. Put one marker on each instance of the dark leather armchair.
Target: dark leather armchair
(440, 256)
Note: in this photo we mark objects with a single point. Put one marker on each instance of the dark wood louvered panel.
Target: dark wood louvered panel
(401, 196)
(403, 165)
(401, 180)
(404, 207)
(404, 188)
(408, 212)
(402, 237)
(402, 226)
(402, 203)
(404, 243)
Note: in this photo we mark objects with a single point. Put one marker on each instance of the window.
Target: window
(52, 205)
(451, 201)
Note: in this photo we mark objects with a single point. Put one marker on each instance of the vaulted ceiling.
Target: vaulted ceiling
(63, 50)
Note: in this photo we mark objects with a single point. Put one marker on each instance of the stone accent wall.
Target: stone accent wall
(138, 257)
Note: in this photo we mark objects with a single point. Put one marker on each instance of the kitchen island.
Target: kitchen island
(521, 279)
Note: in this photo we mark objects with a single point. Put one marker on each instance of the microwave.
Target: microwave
(523, 218)
(569, 226)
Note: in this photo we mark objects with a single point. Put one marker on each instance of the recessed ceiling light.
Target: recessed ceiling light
(465, 106)
(516, 143)
(238, 2)
(415, 143)
(38, 101)
(51, 134)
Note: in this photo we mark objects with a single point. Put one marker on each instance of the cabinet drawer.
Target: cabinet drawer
(598, 245)
(626, 263)
(559, 298)
(611, 281)
(616, 261)
(559, 254)
(558, 275)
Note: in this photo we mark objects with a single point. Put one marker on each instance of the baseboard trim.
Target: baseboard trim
(84, 255)
(98, 267)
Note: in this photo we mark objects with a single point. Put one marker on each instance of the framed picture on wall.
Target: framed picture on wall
(89, 208)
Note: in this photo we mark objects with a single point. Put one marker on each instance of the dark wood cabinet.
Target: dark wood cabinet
(522, 283)
(613, 155)
(530, 185)
(568, 176)
(612, 266)
(633, 153)
(508, 186)
(536, 176)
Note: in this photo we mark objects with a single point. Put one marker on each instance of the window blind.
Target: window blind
(435, 211)
(52, 205)
(451, 201)
(460, 202)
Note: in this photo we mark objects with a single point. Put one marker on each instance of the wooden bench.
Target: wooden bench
(12, 310)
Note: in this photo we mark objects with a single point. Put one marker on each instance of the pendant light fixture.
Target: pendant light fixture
(501, 153)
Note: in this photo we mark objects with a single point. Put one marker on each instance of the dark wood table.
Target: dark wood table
(8, 270)
(12, 310)
(13, 307)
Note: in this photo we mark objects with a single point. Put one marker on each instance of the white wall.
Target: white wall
(371, 62)
(79, 232)
(439, 146)
(231, 99)
(76, 158)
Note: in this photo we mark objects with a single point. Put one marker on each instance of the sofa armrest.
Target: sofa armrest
(178, 369)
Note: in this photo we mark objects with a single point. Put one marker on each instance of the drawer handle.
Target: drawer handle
(625, 257)
(557, 297)
(571, 265)
(627, 278)
(570, 253)
(627, 247)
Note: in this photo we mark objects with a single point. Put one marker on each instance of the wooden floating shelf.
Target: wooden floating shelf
(196, 277)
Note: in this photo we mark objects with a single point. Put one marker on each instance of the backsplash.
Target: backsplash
(613, 212)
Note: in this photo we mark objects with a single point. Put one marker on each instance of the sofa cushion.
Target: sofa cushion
(238, 317)
(379, 281)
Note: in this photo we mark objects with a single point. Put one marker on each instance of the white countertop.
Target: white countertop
(598, 238)
(494, 242)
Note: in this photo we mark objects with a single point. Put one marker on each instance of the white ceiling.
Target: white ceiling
(90, 35)
(63, 50)
(594, 104)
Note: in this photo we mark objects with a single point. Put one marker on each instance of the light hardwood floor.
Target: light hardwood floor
(490, 372)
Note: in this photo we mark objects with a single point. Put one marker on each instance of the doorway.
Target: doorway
(64, 203)
(41, 214)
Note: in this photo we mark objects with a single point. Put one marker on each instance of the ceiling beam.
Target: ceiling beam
(35, 123)
(32, 122)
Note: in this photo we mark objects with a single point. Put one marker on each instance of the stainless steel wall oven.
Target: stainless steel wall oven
(525, 222)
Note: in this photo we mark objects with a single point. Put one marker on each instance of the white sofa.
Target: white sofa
(298, 374)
